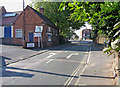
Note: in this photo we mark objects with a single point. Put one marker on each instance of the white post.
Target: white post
(41, 40)
(40, 32)
(38, 40)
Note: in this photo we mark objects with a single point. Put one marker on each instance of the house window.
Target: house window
(18, 33)
(49, 37)
(49, 29)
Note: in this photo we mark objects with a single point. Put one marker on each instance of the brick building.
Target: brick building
(27, 28)
(86, 33)
(7, 20)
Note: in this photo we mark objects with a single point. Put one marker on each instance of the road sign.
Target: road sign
(38, 28)
(37, 34)
(30, 45)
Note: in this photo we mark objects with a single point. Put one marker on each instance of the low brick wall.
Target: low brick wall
(115, 64)
(6, 41)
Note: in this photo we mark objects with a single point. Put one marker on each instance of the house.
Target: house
(7, 20)
(86, 34)
(33, 28)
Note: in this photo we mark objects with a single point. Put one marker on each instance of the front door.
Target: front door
(7, 31)
(30, 36)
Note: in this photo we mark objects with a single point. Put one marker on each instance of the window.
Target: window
(49, 37)
(18, 33)
(9, 15)
(49, 29)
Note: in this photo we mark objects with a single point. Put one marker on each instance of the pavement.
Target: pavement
(79, 63)
(99, 70)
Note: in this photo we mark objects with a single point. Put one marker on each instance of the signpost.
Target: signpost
(37, 34)
(39, 30)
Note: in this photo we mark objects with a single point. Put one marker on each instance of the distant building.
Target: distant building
(86, 34)
(14, 27)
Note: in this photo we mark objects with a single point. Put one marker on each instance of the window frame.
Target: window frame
(18, 32)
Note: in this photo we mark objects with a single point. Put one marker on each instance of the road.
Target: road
(56, 67)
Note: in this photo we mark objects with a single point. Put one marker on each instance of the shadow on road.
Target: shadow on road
(15, 72)
(97, 76)
(8, 73)
(2, 60)
(44, 72)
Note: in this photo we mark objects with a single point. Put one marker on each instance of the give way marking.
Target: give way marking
(51, 54)
(71, 55)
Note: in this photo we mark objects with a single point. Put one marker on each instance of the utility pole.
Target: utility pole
(23, 24)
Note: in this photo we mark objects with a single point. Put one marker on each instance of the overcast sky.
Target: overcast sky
(14, 5)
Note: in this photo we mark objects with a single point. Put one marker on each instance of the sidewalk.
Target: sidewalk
(99, 69)
(11, 54)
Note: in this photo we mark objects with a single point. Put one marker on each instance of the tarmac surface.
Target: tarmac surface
(79, 63)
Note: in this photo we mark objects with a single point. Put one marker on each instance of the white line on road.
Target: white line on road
(71, 55)
(84, 67)
(49, 61)
(51, 54)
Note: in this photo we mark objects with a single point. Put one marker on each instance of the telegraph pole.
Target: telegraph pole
(23, 24)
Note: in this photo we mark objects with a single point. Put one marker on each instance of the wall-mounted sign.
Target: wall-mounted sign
(37, 34)
(30, 44)
(38, 28)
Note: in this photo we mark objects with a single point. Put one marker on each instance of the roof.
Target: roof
(47, 20)
(10, 20)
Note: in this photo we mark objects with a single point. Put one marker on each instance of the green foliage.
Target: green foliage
(102, 16)
(59, 17)
(115, 44)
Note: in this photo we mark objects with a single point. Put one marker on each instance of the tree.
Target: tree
(102, 16)
(60, 18)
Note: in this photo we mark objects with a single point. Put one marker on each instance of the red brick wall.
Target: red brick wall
(31, 20)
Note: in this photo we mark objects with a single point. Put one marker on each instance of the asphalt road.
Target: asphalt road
(55, 67)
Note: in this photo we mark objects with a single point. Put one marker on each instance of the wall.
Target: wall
(32, 20)
(1, 31)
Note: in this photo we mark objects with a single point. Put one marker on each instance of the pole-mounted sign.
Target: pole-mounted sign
(39, 30)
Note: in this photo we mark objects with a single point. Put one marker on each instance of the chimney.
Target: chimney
(41, 11)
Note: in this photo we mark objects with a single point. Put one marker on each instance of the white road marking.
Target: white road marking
(51, 54)
(84, 67)
(49, 61)
(76, 54)
(71, 55)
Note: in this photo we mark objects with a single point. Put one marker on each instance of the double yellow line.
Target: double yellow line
(68, 82)
(73, 74)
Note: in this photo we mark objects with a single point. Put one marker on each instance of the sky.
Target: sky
(14, 5)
